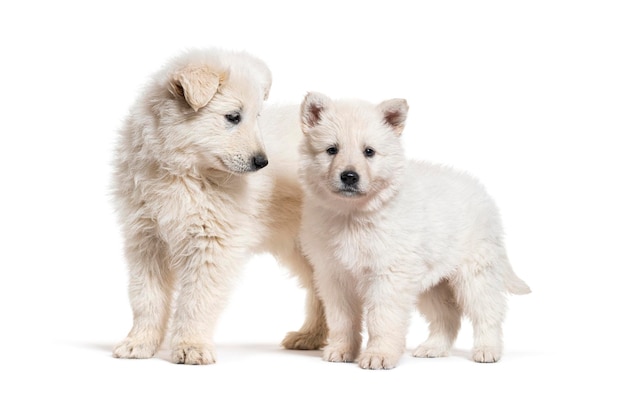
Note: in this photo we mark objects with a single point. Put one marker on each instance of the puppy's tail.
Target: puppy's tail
(514, 284)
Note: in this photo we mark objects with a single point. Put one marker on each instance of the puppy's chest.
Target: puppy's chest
(359, 245)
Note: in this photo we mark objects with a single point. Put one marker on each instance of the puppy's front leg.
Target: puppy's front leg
(149, 290)
(205, 279)
(388, 305)
(343, 316)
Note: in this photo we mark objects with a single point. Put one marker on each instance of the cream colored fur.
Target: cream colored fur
(385, 234)
(193, 207)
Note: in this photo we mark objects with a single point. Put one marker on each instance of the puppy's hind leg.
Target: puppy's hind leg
(314, 331)
(480, 293)
(439, 307)
(150, 290)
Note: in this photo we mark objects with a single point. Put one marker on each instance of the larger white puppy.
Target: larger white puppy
(193, 208)
(384, 233)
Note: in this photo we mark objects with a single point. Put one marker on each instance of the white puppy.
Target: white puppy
(384, 234)
(193, 208)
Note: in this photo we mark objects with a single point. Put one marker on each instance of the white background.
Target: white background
(528, 96)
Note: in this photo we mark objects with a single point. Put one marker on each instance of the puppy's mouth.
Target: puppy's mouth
(349, 192)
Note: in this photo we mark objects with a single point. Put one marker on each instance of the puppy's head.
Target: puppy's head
(206, 105)
(351, 156)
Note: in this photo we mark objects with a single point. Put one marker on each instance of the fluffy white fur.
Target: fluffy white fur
(385, 234)
(193, 208)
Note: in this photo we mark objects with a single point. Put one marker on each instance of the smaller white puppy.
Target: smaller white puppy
(384, 234)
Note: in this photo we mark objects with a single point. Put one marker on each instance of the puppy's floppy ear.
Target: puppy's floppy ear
(196, 83)
(311, 110)
(394, 113)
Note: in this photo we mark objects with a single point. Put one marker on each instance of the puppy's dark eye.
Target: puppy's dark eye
(369, 152)
(233, 117)
(332, 150)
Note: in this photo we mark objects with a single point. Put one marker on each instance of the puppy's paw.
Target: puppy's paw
(338, 354)
(430, 350)
(135, 348)
(486, 355)
(193, 355)
(378, 360)
(304, 341)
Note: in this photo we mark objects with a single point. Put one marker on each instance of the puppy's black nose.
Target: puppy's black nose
(259, 161)
(349, 177)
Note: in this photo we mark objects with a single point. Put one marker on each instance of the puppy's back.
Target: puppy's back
(280, 127)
